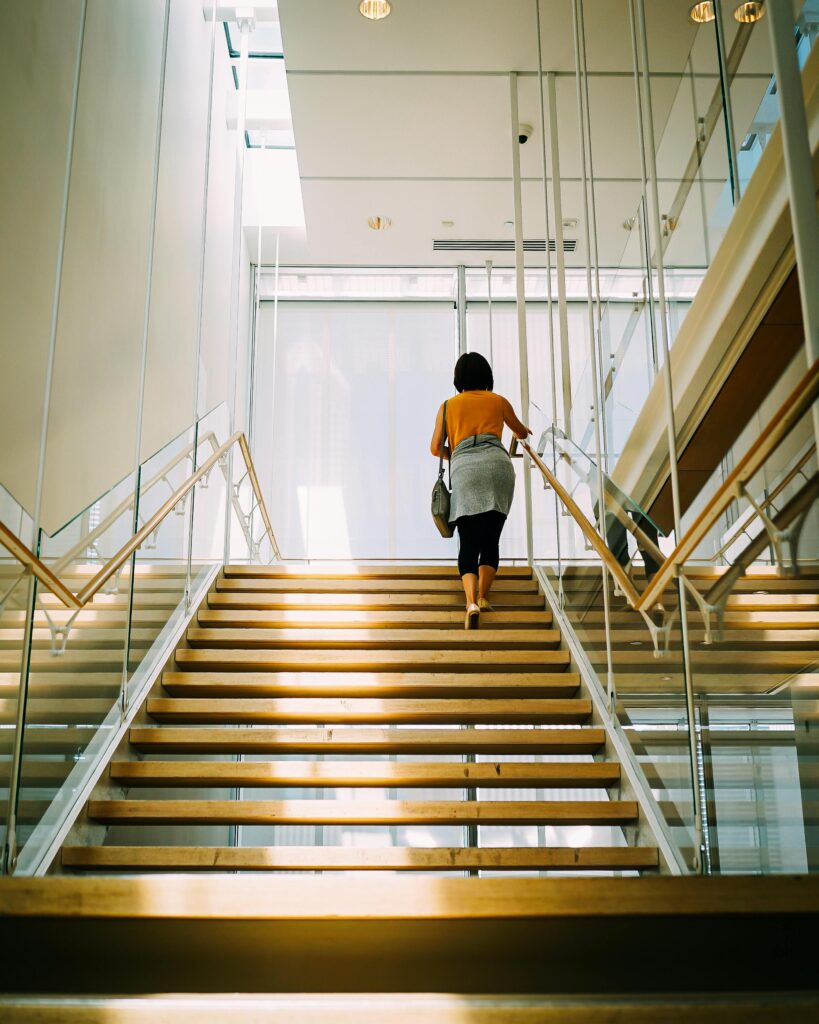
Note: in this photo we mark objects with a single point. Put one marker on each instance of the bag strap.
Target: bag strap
(443, 442)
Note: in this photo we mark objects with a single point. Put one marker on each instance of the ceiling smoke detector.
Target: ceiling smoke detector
(702, 12)
(375, 10)
(379, 223)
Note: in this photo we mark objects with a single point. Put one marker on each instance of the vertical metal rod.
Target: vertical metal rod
(200, 301)
(793, 126)
(276, 552)
(595, 369)
(727, 106)
(246, 25)
(562, 305)
(520, 305)
(549, 299)
(585, 126)
(489, 311)
(463, 342)
(10, 844)
(251, 368)
(671, 429)
(143, 367)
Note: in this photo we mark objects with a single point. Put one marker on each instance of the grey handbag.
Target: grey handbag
(440, 494)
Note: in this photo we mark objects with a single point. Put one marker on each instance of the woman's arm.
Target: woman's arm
(520, 430)
(435, 445)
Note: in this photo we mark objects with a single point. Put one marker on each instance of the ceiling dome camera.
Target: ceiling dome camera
(524, 133)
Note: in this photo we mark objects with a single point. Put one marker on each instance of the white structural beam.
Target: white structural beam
(260, 10)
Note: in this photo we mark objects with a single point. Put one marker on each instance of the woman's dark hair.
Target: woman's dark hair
(473, 373)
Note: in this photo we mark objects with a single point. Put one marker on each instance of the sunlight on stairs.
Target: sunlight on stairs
(318, 721)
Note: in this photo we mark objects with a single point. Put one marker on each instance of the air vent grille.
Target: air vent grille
(499, 245)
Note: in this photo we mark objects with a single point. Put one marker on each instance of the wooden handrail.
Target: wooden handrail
(790, 413)
(589, 532)
(77, 601)
(31, 563)
(767, 501)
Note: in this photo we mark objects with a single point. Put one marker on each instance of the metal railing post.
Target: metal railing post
(246, 22)
(549, 297)
(593, 357)
(200, 308)
(143, 367)
(560, 259)
(520, 304)
(671, 430)
(727, 106)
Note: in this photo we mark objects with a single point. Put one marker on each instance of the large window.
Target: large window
(355, 389)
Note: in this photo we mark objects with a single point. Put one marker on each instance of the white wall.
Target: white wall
(38, 53)
(95, 390)
(95, 399)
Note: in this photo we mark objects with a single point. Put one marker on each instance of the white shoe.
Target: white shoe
(473, 617)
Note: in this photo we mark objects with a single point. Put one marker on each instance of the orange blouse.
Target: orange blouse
(473, 412)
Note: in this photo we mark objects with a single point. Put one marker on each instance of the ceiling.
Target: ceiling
(410, 118)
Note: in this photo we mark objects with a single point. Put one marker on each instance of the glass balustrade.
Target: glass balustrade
(87, 668)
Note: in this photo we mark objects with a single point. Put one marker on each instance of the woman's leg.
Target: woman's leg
(491, 527)
(468, 554)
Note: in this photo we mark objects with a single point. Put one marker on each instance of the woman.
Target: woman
(483, 480)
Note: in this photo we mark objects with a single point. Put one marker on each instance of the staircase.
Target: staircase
(319, 721)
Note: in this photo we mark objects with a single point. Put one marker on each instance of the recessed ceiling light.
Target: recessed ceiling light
(702, 12)
(447, 223)
(375, 10)
(750, 12)
(379, 223)
(508, 223)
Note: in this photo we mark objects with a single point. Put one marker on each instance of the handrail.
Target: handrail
(791, 411)
(589, 532)
(31, 563)
(77, 601)
(127, 503)
(767, 501)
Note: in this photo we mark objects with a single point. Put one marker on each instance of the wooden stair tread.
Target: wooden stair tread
(387, 572)
(364, 812)
(367, 586)
(371, 684)
(340, 619)
(350, 739)
(384, 774)
(365, 638)
(328, 858)
(329, 711)
(369, 660)
(439, 600)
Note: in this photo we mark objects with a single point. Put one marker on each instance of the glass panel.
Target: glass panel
(14, 600)
(160, 566)
(77, 658)
(208, 543)
(755, 640)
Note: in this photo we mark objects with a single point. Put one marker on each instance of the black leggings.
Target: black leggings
(479, 536)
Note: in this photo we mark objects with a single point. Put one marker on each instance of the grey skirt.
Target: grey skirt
(483, 479)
